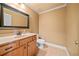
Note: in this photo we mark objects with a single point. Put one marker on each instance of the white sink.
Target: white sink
(6, 37)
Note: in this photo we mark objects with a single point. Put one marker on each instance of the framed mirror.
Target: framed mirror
(11, 17)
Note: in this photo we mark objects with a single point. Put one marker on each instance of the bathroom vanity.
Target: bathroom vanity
(16, 45)
(21, 45)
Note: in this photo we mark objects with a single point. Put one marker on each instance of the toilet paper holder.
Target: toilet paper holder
(77, 42)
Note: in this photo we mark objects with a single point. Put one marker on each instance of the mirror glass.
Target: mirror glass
(14, 18)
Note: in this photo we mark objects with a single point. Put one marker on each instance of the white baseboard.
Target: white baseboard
(58, 46)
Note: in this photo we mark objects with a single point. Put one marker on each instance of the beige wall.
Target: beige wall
(33, 21)
(61, 27)
(72, 28)
(52, 26)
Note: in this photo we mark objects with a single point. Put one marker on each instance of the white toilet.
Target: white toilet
(41, 43)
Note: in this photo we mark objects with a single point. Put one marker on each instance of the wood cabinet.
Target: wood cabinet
(25, 50)
(23, 47)
(32, 49)
(19, 51)
(16, 52)
(5, 48)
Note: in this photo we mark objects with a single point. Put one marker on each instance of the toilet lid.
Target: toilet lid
(41, 40)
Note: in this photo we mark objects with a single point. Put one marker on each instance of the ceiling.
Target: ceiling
(40, 7)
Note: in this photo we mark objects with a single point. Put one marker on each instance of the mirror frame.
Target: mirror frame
(2, 5)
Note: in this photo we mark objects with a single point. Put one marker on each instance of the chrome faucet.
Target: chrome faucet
(17, 32)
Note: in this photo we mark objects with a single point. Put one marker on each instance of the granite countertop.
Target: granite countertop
(14, 37)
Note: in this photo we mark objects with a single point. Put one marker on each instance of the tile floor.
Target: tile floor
(51, 51)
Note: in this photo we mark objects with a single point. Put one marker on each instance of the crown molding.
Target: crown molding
(58, 7)
(30, 8)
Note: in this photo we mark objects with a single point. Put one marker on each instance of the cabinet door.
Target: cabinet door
(35, 49)
(25, 50)
(17, 52)
(20, 51)
(32, 49)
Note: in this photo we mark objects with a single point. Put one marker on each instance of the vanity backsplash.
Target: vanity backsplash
(11, 32)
